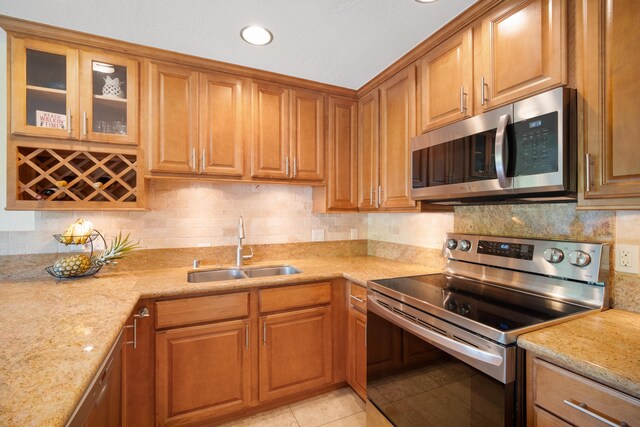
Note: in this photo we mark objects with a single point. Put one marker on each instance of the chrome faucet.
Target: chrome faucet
(240, 257)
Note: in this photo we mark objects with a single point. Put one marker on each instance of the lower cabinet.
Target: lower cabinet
(295, 352)
(357, 352)
(559, 397)
(202, 371)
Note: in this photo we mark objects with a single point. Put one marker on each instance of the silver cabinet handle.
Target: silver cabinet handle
(295, 169)
(371, 196)
(203, 161)
(379, 196)
(264, 332)
(582, 407)
(483, 99)
(360, 300)
(587, 169)
(69, 117)
(462, 103)
(286, 166)
(502, 151)
(365, 334)
(141, 314)
(246, 335)
(84, 123)
(194, 162)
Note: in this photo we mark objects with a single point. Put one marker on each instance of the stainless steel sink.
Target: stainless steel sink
(271, 271)
(215, 275)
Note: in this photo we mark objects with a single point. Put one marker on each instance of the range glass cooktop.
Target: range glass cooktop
(496, 307)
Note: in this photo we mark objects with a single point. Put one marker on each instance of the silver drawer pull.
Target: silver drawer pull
(141, 314)
(582, 407)
(360, 300)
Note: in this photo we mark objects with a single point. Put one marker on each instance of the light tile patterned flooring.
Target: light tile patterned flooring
(339, 408)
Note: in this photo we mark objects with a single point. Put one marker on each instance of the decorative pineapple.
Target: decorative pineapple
(77, 265)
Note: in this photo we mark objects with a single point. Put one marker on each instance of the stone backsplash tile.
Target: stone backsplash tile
(428, 257)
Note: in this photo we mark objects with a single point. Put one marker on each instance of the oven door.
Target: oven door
(468, 159)
(420, 374)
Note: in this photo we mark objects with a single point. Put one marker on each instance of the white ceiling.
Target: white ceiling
(341, 42)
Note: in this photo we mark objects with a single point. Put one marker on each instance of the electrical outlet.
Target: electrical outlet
(627, 259)
(354, 234)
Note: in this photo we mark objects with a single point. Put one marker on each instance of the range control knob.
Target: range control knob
(452, 244)
(465, 245)
(553, 255)
(579, 258)
(465, 310)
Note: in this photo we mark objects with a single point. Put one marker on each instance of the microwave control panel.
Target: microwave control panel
(536, 145)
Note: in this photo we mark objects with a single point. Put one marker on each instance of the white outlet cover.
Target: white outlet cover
(633, 252)
(317, 235)
(354, 234)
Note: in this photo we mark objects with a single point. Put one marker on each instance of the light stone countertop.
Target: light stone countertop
(603, 346)
(55, 336)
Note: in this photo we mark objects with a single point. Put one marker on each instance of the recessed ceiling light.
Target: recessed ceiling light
(426, 1)
(103, 68)
(256, 35)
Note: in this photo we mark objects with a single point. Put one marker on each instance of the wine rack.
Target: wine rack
(55, 178)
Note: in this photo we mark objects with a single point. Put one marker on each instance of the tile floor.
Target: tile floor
(339, 408)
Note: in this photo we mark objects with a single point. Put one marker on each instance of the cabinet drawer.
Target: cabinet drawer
(201, 309)
(290, 297)
(358, 297)
(555, 389)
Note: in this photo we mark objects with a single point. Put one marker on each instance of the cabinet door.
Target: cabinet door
(44, 89)
(107, 409)
(610, 89)
(108, 98)
(202, 371)
(138, 365)
(269, 131)
(342, 182)
(368, 140)
(307, 135)
(524, 49)
(173, 121)
(357, 352)
(295, 352)
(446, 78)
(221, 125)
(397, 127)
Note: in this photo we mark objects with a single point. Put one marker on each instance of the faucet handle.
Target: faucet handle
(196, 263)
(248, 256)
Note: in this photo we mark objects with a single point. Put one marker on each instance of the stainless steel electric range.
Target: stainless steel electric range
(441, 348)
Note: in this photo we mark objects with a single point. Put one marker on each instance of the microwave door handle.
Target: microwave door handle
(502, 151)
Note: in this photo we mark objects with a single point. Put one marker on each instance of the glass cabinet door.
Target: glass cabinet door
(108, 98)
(43, 89)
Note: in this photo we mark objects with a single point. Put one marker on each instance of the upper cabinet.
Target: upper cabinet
(195, 121)
(385, 127)
(63, 92)
(608, 63)
(446, 79)
(524, 50)
(287, 133)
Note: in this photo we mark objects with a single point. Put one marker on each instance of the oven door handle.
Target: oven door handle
(502, 152)
(435, 337)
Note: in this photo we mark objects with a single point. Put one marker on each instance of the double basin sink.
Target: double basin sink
(216, 275)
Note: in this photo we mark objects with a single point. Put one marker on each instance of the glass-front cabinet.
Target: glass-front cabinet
(63, 92)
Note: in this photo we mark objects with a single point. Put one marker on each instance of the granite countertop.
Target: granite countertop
(603, 346)
(55, 336)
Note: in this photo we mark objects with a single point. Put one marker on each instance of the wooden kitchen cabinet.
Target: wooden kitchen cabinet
(173, 117)
(397, 127)
(59, 91)
(203, 371)
(341, 192)
(368, 160)
(559, 397)
(524, 50)
(287, 133)
(386, 124)
(608, 63)
(357, 341)
(295, 352)
(446, 82)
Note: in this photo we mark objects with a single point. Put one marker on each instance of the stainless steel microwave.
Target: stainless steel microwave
(525, 151)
